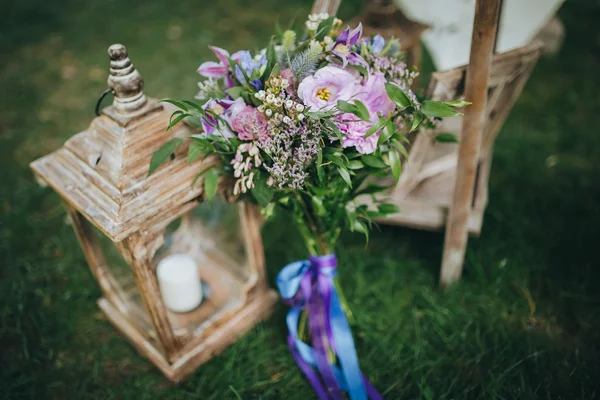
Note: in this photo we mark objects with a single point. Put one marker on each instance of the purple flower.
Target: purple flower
(223, 108)
(248, 64)
(375, 97)
(212, 69)
(354, 130)
(344, 42)
(377, 45)
(322, 90)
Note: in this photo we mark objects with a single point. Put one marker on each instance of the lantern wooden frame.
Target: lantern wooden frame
(102, 177)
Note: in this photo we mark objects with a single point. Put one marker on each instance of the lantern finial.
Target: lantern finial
(126, 82)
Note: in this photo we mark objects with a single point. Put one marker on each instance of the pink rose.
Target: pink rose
(322, 90)
(354, 130)
(249, 123)
(375, 97)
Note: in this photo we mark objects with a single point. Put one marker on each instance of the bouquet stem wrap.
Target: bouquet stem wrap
(309, 285)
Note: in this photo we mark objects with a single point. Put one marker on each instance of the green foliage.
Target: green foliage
(437, 109)
(446, 137)
(397, 95)
(211, 179)
(163, 154)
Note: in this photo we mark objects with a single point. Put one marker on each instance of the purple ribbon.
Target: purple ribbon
(309, 285)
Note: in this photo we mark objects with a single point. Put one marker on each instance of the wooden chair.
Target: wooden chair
(447, 184)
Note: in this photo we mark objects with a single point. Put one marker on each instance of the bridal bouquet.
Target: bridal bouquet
(300, 126)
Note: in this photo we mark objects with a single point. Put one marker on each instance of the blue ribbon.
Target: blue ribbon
(309, 285)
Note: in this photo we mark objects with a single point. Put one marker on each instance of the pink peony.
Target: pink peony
(322, 90)
(249, 123)
(354, 130)
(375, 97)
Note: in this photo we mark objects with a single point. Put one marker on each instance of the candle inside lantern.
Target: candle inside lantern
(179, 282)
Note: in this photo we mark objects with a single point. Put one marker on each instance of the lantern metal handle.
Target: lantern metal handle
(102, 96)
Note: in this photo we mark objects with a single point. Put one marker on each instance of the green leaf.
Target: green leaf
(318, 206)
(204, 171)
(344, 106)
(320, 170)
(271, 61)
(176, 103)
(458, 103)
(437, 109)
(195, 151)
(377, 126)
(395, 164)
(373, 161)
(177, 120)
(355, 164)
(345, 176)
(324, 28)
(418, 118)
(387, 133)
(210, 184)
(361, 111)
(397, 95)
(261, 192)
(361, 227)
(235, 92)
(446, 137)
(361, 70)
(320, 114)
(388, 208)
(195, 106)
(163, 154)
(372, 189)
(208, 146)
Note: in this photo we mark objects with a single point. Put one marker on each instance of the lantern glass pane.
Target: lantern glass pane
(125, 293)
(212, 234)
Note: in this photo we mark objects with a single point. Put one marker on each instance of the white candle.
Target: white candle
(179, 282)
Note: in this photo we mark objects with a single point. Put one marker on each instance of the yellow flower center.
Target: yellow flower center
(218, 109)
(323, 94)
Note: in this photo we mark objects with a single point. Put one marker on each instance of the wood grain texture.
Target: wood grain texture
(102, 176)
(487, 14)
(326, 6)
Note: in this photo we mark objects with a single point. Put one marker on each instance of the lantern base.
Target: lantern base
(256, 309)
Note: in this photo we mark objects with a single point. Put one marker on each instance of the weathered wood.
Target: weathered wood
(326, 6)
(487, 14)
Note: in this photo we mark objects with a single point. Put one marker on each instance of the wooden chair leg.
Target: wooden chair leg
(483, 40)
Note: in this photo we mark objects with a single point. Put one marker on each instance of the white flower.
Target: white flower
(323, 16)
(299, 107)
(270, 181)
(237, 173)
(278, 102)
(253, 150)
(270, 98)
(287, 120)
(329, 43)
(261, 108)
(236, 187)
(289, 104)
(249, 182)
(300, 117)
(269, 112)
(285, 83)
(312, 26)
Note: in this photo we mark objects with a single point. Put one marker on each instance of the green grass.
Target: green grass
(522, 324)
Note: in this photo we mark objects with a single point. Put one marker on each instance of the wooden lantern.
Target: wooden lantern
(127, 221)
(383, 17)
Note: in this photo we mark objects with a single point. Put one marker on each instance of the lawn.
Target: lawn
(522, 324)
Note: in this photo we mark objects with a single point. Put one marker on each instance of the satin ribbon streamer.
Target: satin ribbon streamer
(309, 285)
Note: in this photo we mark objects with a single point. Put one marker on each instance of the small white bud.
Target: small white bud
(249, 182)
(278, 102)
(269, 112)
(287, 120)
(300, 117)
(289, 104)
(270, 181)
(270, 98)
(299, 107)
(236, 188)
(237, 173)
(261, 108)
(253, 150)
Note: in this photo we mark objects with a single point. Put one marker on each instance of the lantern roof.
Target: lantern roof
(103, 171)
